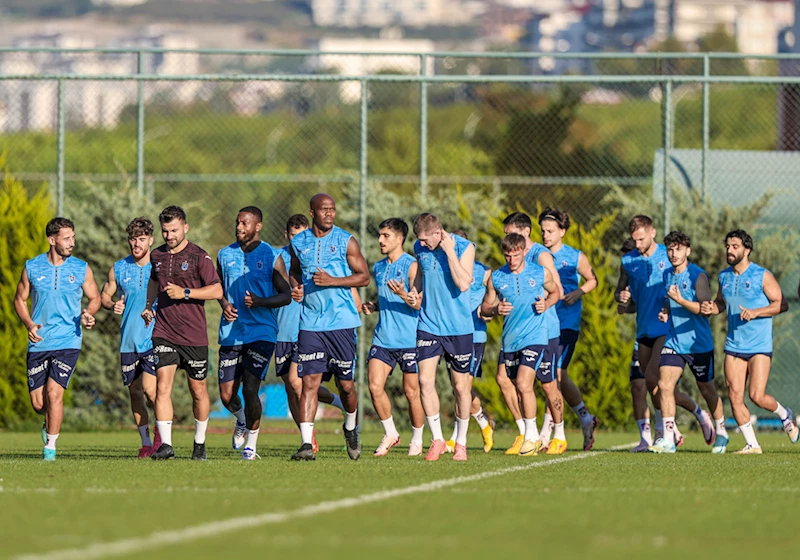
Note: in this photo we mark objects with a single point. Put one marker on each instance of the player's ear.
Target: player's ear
(185, 228)
(688, 251)
(259, 225)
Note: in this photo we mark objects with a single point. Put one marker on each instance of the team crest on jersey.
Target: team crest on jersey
(333, 249)
(685, 285)
(185, 265)
(564, 264)
(661, 265)
(531, 282)
(259, 265)
(71, 278)
(747, 285)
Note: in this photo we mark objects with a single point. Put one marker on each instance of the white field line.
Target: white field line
(214, 528)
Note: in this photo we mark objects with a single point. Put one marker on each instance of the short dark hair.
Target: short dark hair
(172, 213)
(558, 216)
(640, 221)
(426, 222)
(519, 220)
(513, 242)
(397, 225)
(254, 210)
(628, 245)
(57, 224)
(677, 238)
(138, 227)
(747, 241)
(296, 221)
(461, 233)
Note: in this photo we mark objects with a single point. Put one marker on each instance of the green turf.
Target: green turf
(612, 505)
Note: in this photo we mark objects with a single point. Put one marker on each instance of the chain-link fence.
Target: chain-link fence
(399, 133)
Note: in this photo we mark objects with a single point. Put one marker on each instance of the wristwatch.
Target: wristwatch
(186, 292)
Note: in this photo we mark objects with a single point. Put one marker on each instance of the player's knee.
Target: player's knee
(666, 386)
(758, 397)
(55, 395)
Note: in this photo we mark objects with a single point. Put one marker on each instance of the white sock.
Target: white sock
(239, 415)
(481, 418)
(337, 402)
(521, 425)
(582, 413)
(416, 434)
(435, 424)
(462, 426)
(306, 431)
(547, 426)
(455, 432)
(721, 427)
(531, 431)
(669, 428)
(698, 412)
(252, 439)
(644, 431)
(749, 434)
(350, 420)
(200, 427)
(781, 412)
(165, 431)
(558, 432)
(51, 441)
(389, 428)
(144, 432)
(659, 421)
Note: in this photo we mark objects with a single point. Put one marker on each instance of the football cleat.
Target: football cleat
(720, 444)
(387, 442)
(530, 448)
(164, 452)
(44, 433)
(48, 454)
(414, 449)
(450, 446)
(488, 437)
(436, 449)
(239, 433)
(249, 455)
(199, 452)
(305, 453)
(662, 446)
(516, 446)
(352, 442)
(314, 444)
(588, 434)
(790, 426)
(643, 447)
(556, 447)
(156, 439)
(749, 450)
(707, 425)
(145, 452)
(460, 453)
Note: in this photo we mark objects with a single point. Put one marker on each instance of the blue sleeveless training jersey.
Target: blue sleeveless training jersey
(325, 308)
(132, 281)
(288, 316)
(56, 293)
(566, 262)
(646, 282)
(476, 292)
(397, 321)
(746, 289)
(551, 315)
(523, 327)
(688, 333)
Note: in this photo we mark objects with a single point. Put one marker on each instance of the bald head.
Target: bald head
(323, 212)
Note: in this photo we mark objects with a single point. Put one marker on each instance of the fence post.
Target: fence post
(667, 145)
(60, 130)
(140, 126)
(423, 128)
(706, 103)
(361, 364)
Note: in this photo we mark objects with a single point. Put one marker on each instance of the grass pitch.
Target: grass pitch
(598, 505)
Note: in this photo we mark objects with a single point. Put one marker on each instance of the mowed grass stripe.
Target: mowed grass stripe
(216, 528)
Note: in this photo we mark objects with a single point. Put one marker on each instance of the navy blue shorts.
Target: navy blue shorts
(406, 358)
(701, 364)
(330, 354)
(648, 341)
(746, 356)
(285, 356)
(566, 347)
(134, 364)
(58, 365)
(636, 371)
(192, 359)
(252, 357)
(457, 350)
(534, 357)
(476, 369)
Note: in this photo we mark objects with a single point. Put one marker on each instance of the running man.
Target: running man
(254, 282)
(182, 278)
(129, 277)
(395, 339)
(641, 280)
(689, 342)
(288, 318)
(521, 292)
(751, 297)
(537, 253)
(572, 265)
(56, 282)
(446, 262)
(326, 265)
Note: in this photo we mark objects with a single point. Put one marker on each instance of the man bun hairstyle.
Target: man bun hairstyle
(558, 216)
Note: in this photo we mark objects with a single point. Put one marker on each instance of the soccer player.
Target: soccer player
(751, 297)
(254, 281)
(537, 253)
(521, 292)
(395, 338)
(572, 265)
(129, 277)
(641, 279)
(182, 278)
(326, 264)
(56, 281)
(288, 318)
(445, 328)
(477, 289)
(689, 342)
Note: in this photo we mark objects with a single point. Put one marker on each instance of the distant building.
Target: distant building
(384, 13)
